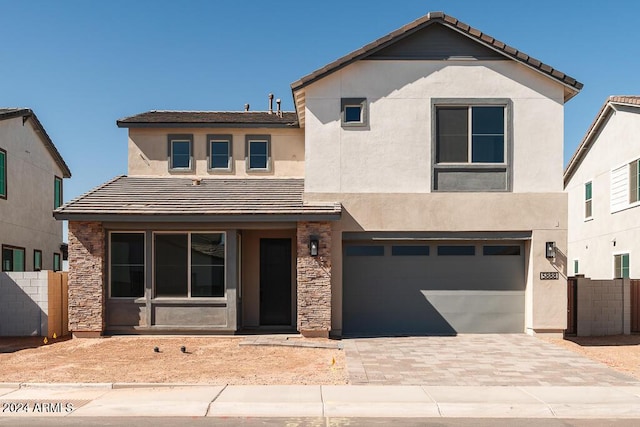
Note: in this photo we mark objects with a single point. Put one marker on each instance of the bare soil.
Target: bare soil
(207, 360)
(620, 352)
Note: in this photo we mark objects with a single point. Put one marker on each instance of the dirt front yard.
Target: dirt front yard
(207, 360)
(620, 352)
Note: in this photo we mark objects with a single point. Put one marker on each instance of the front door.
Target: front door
(275, 282)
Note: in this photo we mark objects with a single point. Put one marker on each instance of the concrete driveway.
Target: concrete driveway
(473, 360)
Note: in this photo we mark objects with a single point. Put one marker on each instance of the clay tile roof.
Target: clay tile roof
(157, 118)
(169, 197)
(446, 20)
(596, 125)
(27, 113)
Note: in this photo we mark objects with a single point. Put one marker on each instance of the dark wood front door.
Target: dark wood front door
(275, 282)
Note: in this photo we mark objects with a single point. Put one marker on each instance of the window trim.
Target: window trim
(637, 182)
(621, 255)
(6, 186)
(171, 138)
(36, 268)
(12, 247)
(59, 256)
(188, 297)
(228, 138)
(247, 152)
(109, 263)
(354, 102)
(576, 266)
(588, 202)
(56, 180)
(507, 166)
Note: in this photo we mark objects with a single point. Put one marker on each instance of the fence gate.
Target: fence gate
(572, 306)
(635, 306)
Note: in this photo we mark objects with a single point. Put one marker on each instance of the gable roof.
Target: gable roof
(572, 85)
(26, 113)
(156, 118)
(146, 198)
(598, 123)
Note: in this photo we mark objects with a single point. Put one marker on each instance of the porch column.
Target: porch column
(314, 280)
(86, 279)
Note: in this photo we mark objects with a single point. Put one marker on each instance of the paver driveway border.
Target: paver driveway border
(473, 360)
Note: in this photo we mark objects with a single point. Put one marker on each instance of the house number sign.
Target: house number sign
(549, 275)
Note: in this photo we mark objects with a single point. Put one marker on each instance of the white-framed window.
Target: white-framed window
(126, 264)
(353, 112)
(189, 264)
(588, 200)
(625, 186)
(258, 152)
(219, 152)
(621, 266)
(180, 152)
(471, 134)
(634, 181)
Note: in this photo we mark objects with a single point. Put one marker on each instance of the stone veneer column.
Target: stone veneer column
(314, 280)
(86, 273)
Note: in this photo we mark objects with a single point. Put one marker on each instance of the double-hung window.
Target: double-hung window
(180, 152)
(3, 174)
(219, 151)
(621, 266)
(57, 192)
(13, 258)
(258, 152)
(189, 264)
(471, 145)
(126, 265)
(588, 200)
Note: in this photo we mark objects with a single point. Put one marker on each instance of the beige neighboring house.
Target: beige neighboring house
(416, 189)
(31, 187)
(602, 180)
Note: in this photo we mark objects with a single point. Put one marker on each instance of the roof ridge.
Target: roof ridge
(215, 111)
(93, 190)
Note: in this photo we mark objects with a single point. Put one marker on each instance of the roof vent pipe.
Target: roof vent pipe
(278, 103)
(246, 107)
(270, 103)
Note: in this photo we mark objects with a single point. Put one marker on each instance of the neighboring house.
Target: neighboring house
(417, 189)
(31, 187)
(602, 180)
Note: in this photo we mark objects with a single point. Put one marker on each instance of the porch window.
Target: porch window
(189, 264)
(127, 265)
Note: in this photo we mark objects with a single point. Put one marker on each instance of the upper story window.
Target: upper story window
(13, 258)
(180, 152)
(588, 200)
(353, 112)
(37, 260)
(3, 174)
(470, 134)
(219, 152)
(625, 186)
(258, 152)
(57, 192)
(634, 181)
(621, 266)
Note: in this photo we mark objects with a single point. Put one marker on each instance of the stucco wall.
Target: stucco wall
(26, 218)
(148, 151)
(591, 242)
(393, 154)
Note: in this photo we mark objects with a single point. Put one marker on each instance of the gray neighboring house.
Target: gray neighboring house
(416, 189)
(32, 173)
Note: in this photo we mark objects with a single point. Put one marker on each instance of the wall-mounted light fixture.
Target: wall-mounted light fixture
(313, 246)
(550, 249)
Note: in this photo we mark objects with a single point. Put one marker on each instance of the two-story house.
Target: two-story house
(31, 186)
(604, 194)
(416, 189)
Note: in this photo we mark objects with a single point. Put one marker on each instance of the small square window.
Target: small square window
(219, 152)
(180, 152)
(258, 152)
(354, 112)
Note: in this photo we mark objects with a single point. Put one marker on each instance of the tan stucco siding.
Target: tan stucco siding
(26, 218)
(591, 241)
(393, 153)
(148, 152)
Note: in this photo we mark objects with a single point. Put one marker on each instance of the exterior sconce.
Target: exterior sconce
(313, 246)
(550, 249)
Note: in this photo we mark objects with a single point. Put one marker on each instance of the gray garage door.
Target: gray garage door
(444, 288)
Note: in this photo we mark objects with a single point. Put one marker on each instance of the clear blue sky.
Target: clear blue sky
(81, 65)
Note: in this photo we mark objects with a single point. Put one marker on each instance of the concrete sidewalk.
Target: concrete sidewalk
(126, 400)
